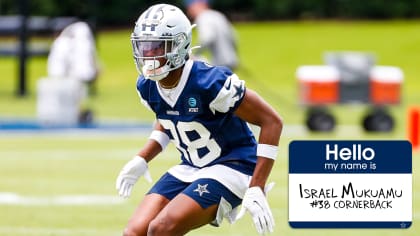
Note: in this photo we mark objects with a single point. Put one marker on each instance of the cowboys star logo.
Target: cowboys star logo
(201, 189)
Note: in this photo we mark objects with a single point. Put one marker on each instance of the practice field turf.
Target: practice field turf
(64, 184)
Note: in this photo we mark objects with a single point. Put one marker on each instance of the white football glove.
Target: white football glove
(256, 203)
(129, 175)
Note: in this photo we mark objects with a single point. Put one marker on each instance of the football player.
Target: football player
(204, 111)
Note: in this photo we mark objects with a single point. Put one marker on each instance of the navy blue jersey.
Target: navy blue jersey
(198, 115)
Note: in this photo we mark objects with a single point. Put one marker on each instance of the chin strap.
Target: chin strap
(152, 70)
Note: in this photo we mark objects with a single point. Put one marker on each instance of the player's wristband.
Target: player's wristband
(267, 150)
(160, 137)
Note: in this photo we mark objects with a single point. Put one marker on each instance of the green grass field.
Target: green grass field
(48, 171)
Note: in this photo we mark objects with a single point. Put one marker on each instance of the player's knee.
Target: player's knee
(137, 226)
(163, 226)
(159, 227)
(129, 232)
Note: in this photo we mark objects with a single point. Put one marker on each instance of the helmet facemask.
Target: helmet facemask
(156, 57)
(161, 41)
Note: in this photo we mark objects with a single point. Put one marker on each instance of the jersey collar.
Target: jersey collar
(170, 96)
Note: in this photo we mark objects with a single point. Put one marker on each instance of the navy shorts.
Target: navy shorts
(206, 192)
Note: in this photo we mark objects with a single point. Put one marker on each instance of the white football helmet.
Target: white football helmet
(162, 31)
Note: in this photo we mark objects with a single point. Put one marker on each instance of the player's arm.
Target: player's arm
(255, 110)
(137, 166)
(157, 141)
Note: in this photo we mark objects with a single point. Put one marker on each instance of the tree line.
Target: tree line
(125, 12)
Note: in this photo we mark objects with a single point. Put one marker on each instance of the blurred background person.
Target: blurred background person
(73, 56)
(215, 33)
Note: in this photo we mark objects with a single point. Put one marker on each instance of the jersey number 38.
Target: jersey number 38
(190, 146)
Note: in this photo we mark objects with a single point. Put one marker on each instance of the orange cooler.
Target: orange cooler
(318, 84)
(385, 84)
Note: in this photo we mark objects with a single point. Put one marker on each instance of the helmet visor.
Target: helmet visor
(145, 49)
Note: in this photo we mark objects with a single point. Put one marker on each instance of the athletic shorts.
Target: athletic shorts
(214, 185)
(217, 184)
(206, 192)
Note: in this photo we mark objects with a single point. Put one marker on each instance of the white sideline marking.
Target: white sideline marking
(8, 198)
(24, 230)
(43, 154)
